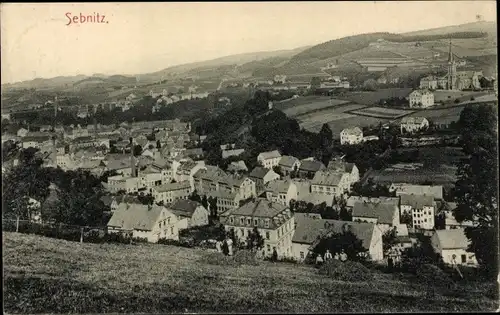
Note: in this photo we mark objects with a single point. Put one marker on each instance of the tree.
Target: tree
(370, 85)
(345, 241)
(477, 184)
(137, 150)
(204, 201)
(325, 135)
(158, 144)
(255, 239)
(315, 83)
(389, 239)
(195, 197)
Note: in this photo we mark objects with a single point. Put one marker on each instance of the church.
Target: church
(453, 80)
(458, 80)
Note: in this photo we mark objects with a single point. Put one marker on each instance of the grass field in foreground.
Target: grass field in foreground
(43, 275)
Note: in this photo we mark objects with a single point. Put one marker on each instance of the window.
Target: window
(249, 221)
(255, 222)
(242, 221)
(279, 230)
(242, 232)
(267, 222)
(464, 259)
(171, 230)
(268, 248)
(267, 236)
(301, 255)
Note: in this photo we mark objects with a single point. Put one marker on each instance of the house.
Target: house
(36, 141)
(413, 124)
(422, 209)
(281, 191)
(170, 192)
(194, 153)
(340, 166)
(308, 168)
(354, 199)
(144, 221)
(274, 222)
(330, 183)
(269, 159)
(117, 200)
(150, 177)
(384, 214)
(237, 167)
(447, 209)
(409, 189)
(234, 152)
(226, 200)
(261, 176)
(350, 136)
(280, 79)
(123, 183)
(288, 164)
(429, 82)
(227, 146)
(309, 230)
(189, 213)
(421, 98)
(453, 245)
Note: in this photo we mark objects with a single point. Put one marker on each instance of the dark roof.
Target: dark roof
(258, 172)
(309, 229)
(184, 208)
(383, 211)
(340, 166)
(288, 161)
(311, 166)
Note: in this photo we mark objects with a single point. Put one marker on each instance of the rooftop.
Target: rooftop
(384, 212)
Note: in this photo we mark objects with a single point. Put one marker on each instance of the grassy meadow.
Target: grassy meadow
(43, 275)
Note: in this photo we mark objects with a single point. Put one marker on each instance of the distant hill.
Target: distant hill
(470, 40)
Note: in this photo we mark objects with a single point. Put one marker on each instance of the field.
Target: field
(437, 155)
(312, 107)
(43, 275)
(440, 116)
(442, 95)
(381, 112)
(438, 175)
(371, 98)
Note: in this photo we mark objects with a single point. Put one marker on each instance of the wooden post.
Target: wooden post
(17, 224)
(81, 235)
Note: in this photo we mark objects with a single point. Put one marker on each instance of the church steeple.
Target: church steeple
(450, 54)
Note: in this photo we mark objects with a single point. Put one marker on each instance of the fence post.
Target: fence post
(81, 235)
(17, 224)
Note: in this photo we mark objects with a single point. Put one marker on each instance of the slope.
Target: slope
(43, 275)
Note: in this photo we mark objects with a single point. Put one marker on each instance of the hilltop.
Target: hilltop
(475, 42)
(43, 275)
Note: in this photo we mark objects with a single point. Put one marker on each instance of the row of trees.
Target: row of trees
(74, 199)
(476, 190)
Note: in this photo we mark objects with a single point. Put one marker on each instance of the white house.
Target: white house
(168, 193)
(281, 191)
(144, 221)
(452, 245)
(269, 159)
(429, 82)
(422, 209)
(385, 214)
(421, 98)
(330, 183)
(351, 136)
(413, 124)
(310, 229)
(274, 222)
(261, 176)
(189, 213)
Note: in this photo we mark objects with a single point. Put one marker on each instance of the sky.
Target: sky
(36, 40)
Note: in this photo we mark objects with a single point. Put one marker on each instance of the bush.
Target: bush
(182, 242)
(472, 98)
(457, 101)
(345, 271)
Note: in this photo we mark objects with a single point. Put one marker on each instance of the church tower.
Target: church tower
(452, 71)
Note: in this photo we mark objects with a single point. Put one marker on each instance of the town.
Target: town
(359, 177)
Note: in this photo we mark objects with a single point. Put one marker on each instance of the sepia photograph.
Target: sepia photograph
(249, 157)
